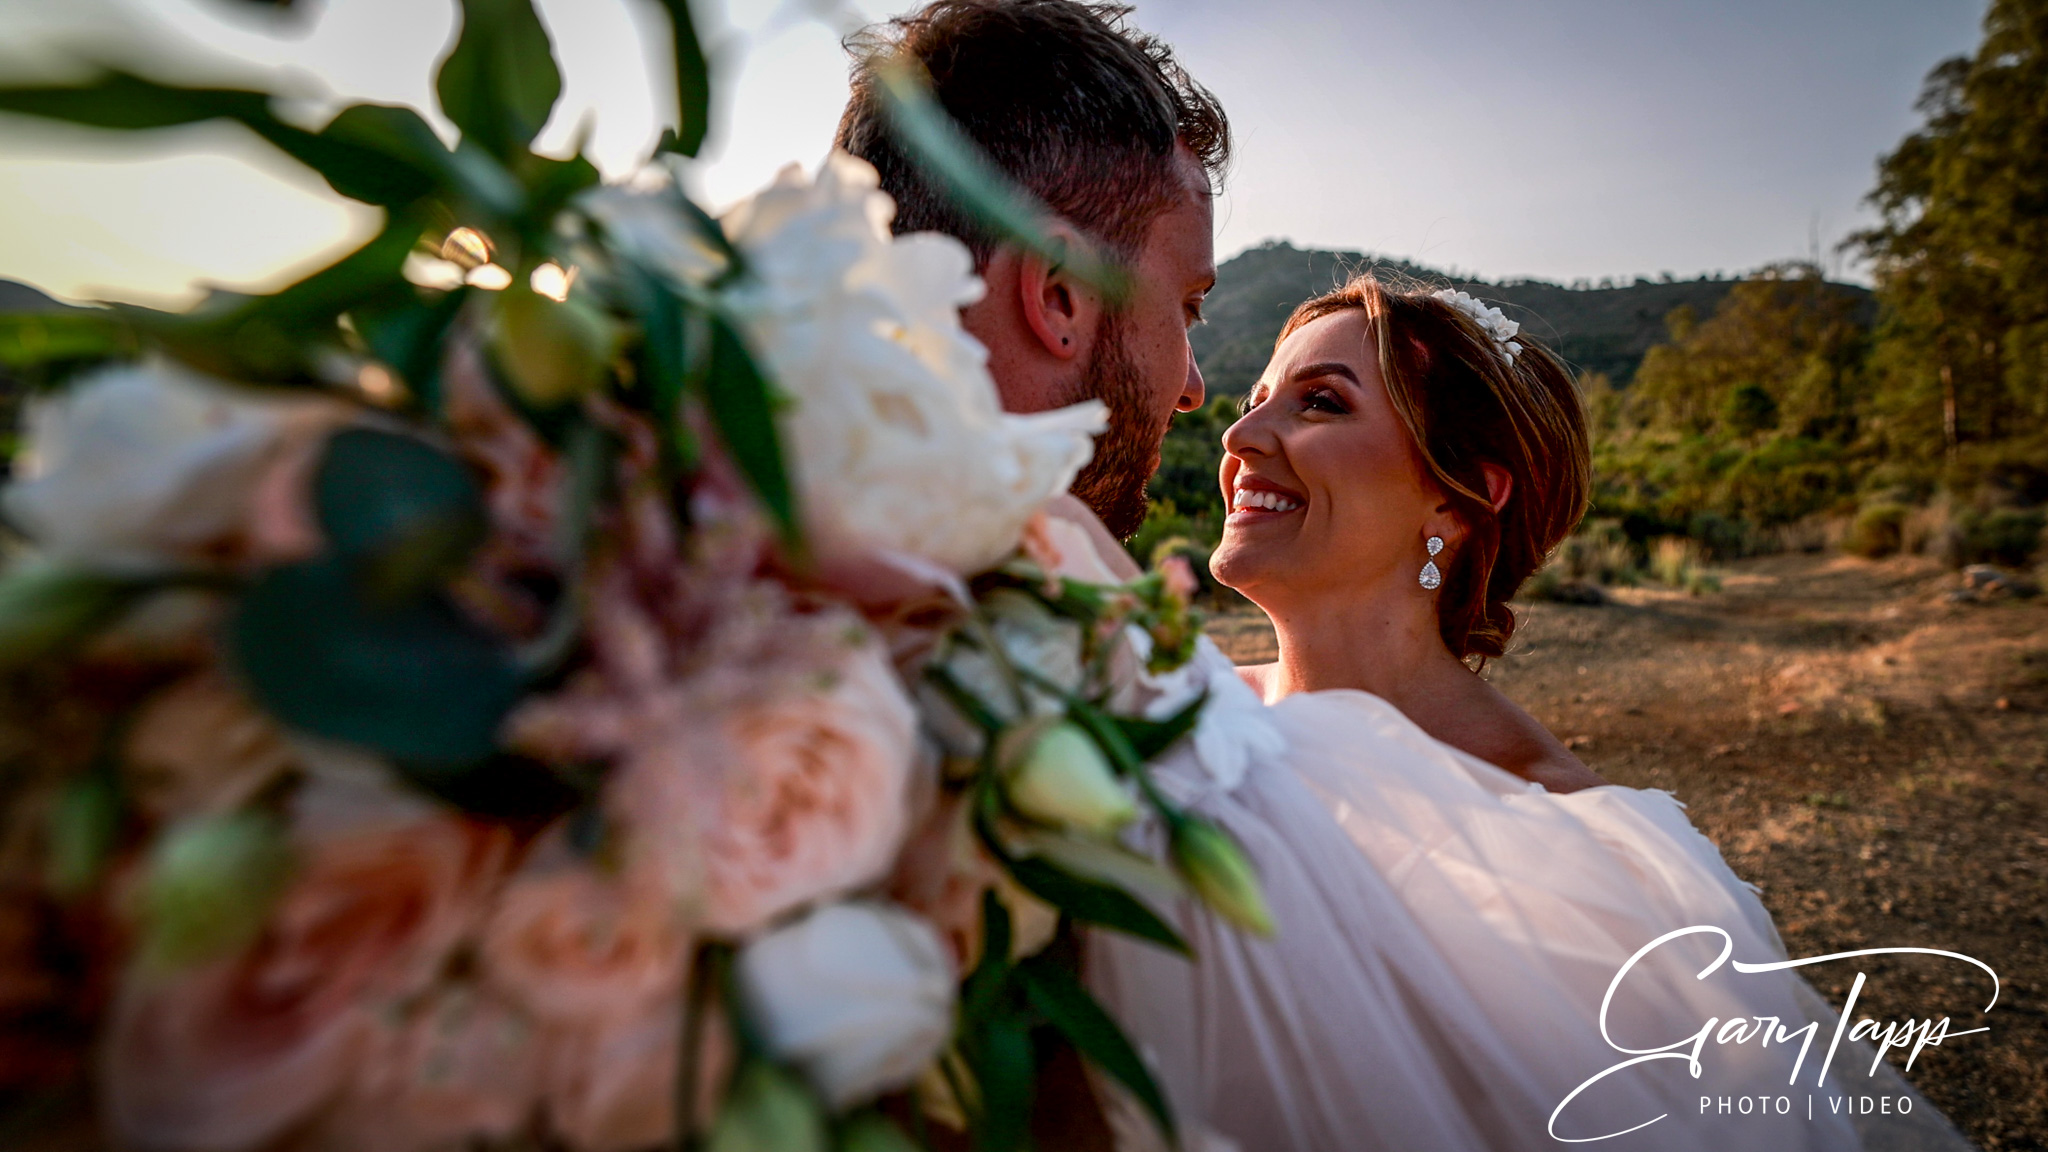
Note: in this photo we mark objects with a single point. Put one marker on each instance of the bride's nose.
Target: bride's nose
(1251, 435)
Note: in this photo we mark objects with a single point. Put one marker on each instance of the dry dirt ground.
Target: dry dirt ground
(1872, 754)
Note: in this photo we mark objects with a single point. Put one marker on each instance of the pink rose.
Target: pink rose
(777, 781)
(230, 1054)
(459, 1066)
(569, 944)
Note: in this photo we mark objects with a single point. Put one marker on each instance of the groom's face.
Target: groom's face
(1141, 365)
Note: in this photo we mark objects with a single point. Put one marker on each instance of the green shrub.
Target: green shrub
(1878, 531)
(2008, 536)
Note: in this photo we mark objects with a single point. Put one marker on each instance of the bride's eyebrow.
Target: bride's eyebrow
(1326, 368)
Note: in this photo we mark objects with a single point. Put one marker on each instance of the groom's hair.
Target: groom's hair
(1063, 96)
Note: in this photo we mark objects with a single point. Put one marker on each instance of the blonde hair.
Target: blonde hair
(1464, 407)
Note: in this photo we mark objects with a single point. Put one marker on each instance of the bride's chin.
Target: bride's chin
(1238, 565)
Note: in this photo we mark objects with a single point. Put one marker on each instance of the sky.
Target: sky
(1563, 140)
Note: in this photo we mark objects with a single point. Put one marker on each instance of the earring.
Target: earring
(1431, 578)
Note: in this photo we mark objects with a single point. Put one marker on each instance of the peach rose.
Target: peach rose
(610, 1086)
(571, 945)
(461, 1065)
(230, 1054)
(778, 781)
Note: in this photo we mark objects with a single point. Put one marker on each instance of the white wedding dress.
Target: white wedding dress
(1446, 934)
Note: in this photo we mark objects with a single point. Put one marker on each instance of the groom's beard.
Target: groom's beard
(1113, 483)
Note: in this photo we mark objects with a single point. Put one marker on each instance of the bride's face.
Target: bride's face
(1326, 490)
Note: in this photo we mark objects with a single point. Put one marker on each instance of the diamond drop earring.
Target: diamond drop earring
(1431, 578)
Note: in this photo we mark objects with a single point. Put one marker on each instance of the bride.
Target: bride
(1455, 893)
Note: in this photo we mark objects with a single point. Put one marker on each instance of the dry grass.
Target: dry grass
(1871, 754)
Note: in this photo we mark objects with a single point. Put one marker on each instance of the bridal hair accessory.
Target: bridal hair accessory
(1491, 320)
(1431, 577)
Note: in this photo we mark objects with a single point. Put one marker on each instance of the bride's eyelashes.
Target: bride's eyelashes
(1320, 399)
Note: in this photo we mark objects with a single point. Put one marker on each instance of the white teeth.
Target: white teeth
(1271, 501)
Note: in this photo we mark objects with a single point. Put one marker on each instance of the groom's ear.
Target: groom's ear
(1060, 311)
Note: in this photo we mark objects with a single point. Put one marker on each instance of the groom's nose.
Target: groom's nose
(1192, 392)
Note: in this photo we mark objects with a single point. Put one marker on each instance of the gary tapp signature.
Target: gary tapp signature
(1769, 1030)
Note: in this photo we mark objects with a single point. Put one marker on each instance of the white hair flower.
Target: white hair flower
(1490, 320)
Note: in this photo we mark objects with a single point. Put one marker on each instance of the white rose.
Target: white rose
(896, 433)
(147, 467)
(858, 996)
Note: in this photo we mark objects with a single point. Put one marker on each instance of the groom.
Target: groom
(1099, 122)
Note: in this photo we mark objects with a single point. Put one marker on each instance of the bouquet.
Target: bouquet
(575, 673)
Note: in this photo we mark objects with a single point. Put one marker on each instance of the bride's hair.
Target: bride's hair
(1465, 405)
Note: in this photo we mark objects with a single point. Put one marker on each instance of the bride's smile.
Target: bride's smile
(1323, 487)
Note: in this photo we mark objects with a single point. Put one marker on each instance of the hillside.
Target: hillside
(1594, 329)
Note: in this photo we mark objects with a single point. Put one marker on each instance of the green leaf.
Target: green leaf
(31, 338)
(400, 512)
(742, 408)
(419, 683)
(46, 605)
(953, 161)
(501, 82)
(1148, 738)
(693, 83)
(370, 156)
(410, 334)
(1094, 903)
(398, 134)
(551, 184)
(1064, 1003)
(1006, 1068)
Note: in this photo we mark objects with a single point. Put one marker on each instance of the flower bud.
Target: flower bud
(768, 1110)
(1215, 867)
(210, 885)
(551, 353)
(1065, 779)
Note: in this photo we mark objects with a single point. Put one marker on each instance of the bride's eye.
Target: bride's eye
(1324, 400)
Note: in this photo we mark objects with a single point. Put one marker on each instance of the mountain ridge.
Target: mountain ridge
(1603, 329)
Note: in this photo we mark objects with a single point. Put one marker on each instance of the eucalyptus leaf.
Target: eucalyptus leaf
(1068, 1007)
(401, 512)
(953, 161)
(693, 83)
(1094, 903)
(419, 683)
(501, 81)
